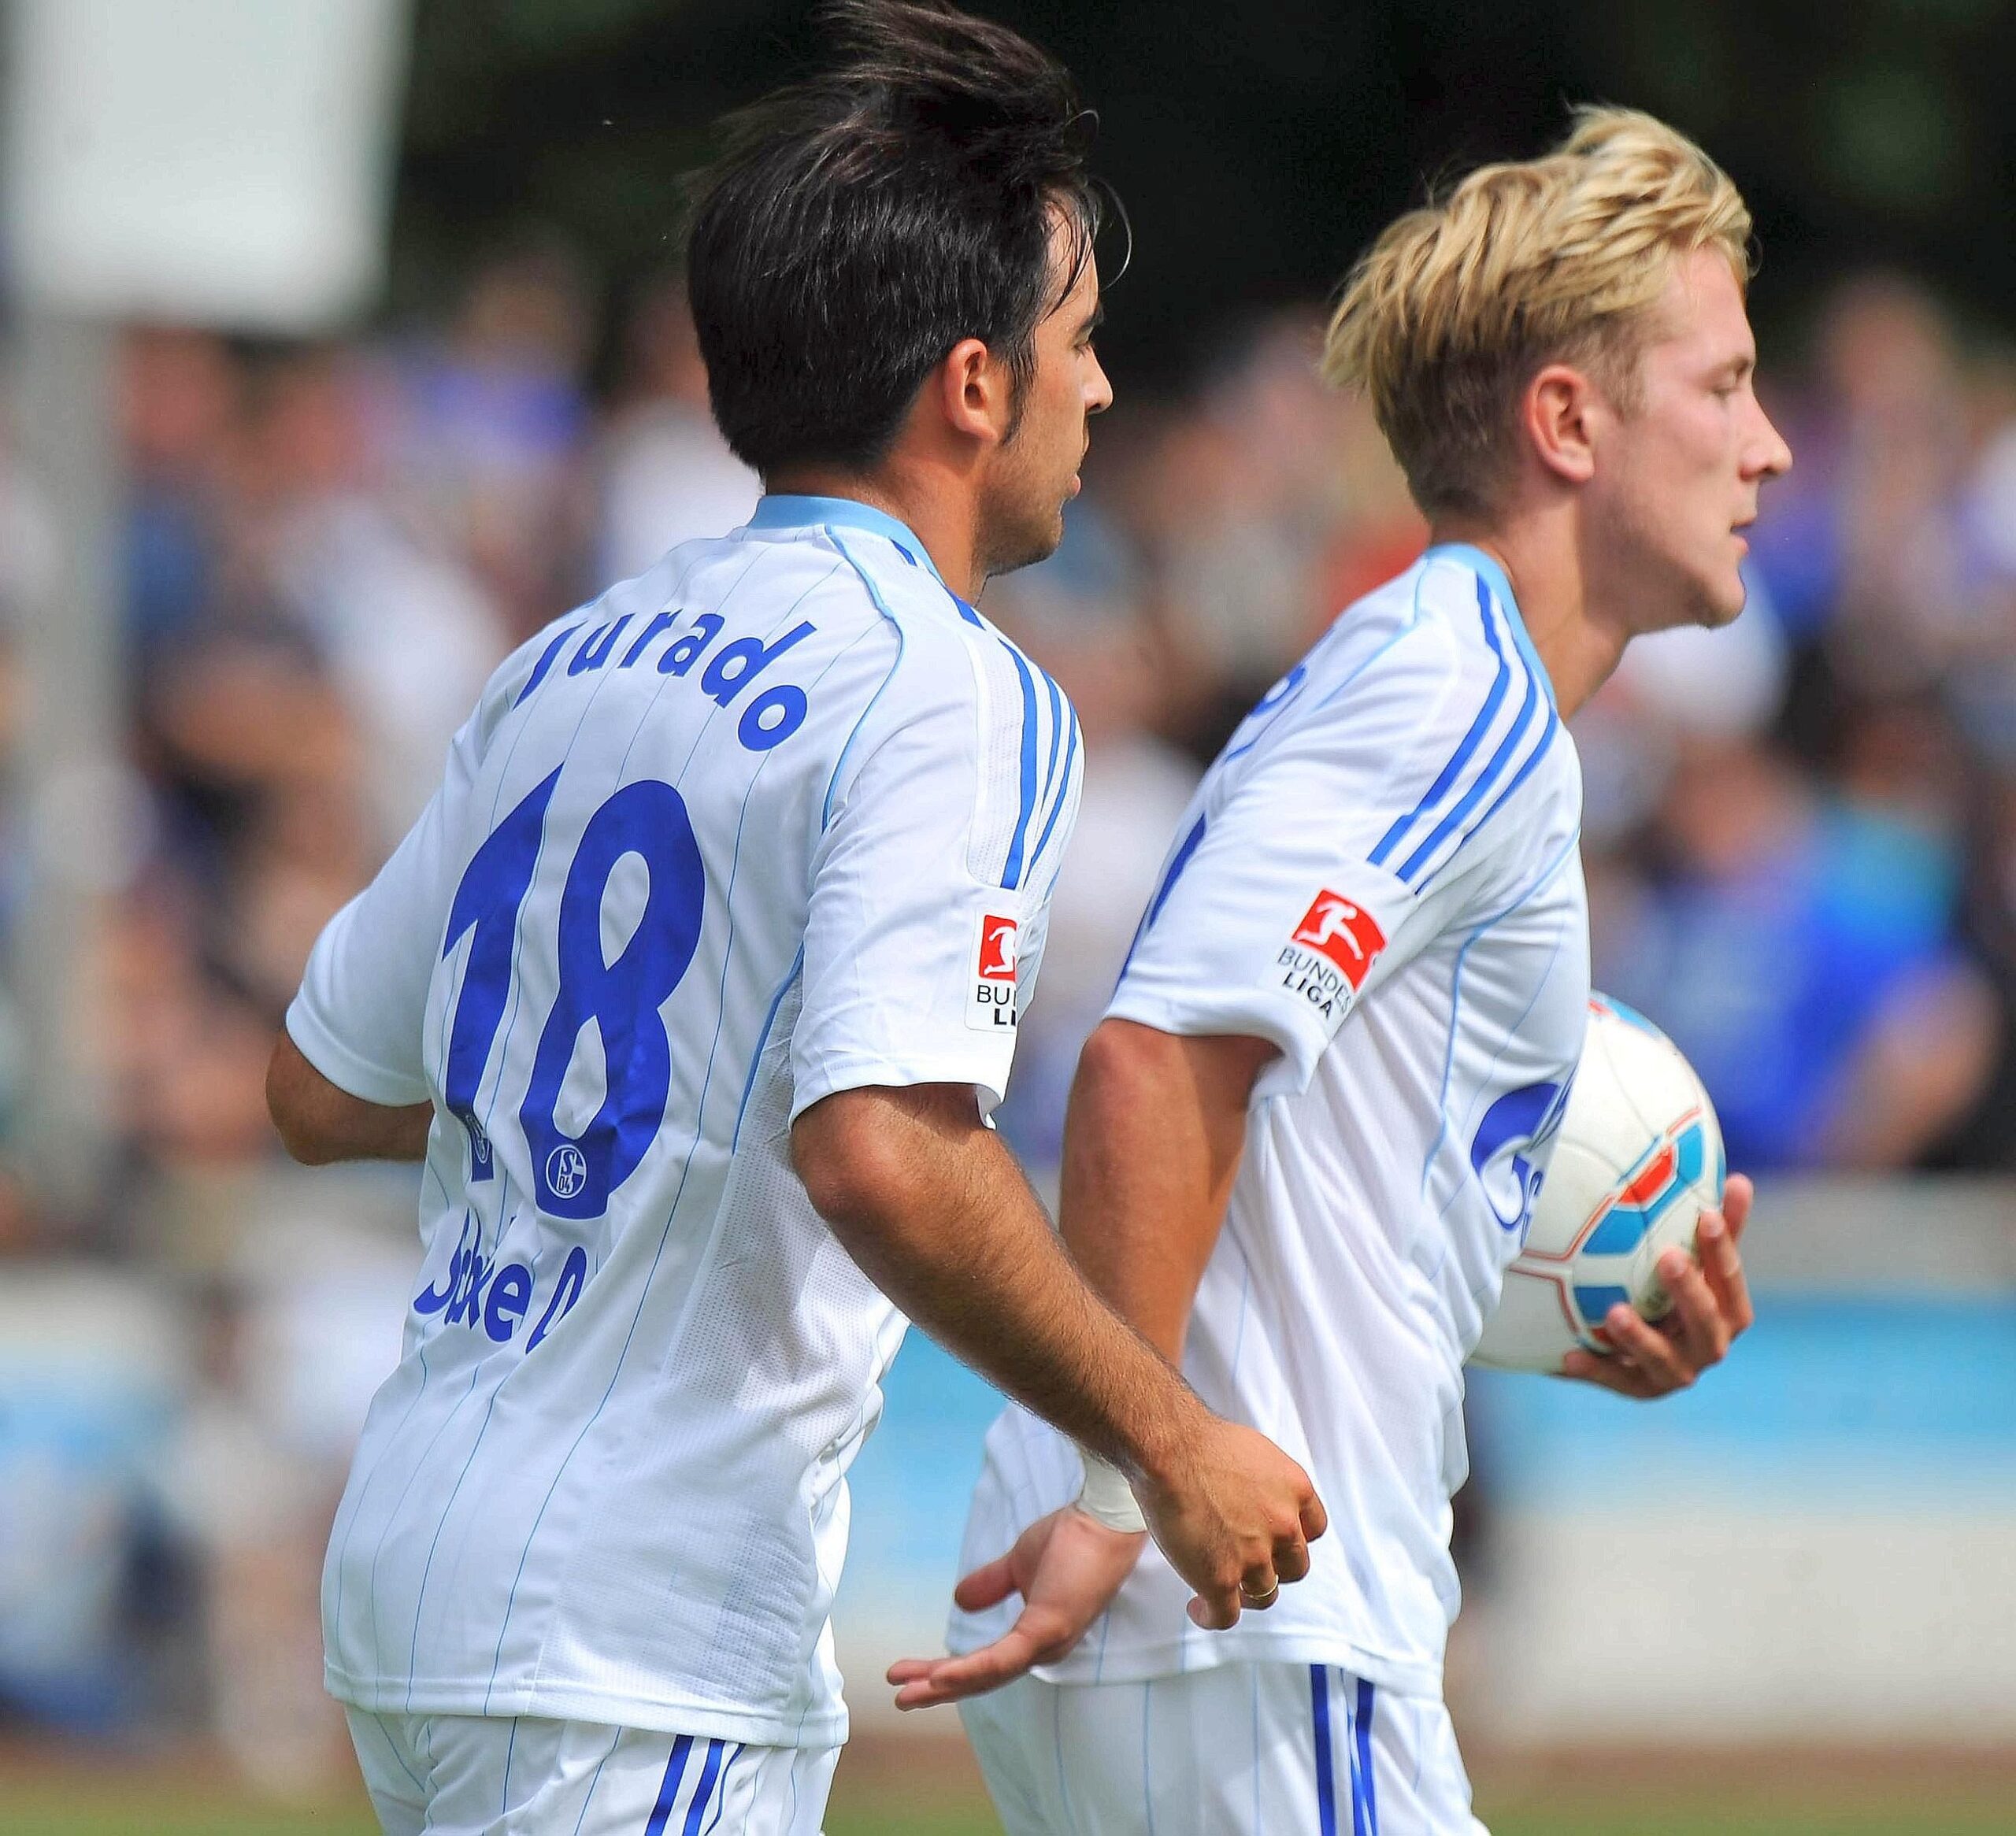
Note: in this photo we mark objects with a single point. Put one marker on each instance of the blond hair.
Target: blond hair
(1448, 315)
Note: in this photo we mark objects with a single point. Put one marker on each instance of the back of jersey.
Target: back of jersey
(754, 830)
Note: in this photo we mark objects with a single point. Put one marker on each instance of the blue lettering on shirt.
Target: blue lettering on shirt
(770, 718)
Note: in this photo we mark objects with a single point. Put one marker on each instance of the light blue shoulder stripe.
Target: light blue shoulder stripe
(1526, 771)
(1064, 783)
(1050, 785)
(895, 624)
(1493, 770)
(1171, 874)
(1011, 875)
(1445, 780)
(1488, 569)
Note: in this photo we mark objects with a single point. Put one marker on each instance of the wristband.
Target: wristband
(1107, 1498)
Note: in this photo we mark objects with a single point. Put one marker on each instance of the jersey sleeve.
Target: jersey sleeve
(1307, 877)
(931, 884)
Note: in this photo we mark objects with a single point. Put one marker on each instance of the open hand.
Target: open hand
(1066, 1567)
(1711, 1307)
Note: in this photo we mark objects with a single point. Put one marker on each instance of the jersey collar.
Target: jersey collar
(1466, 554)
(783, 510)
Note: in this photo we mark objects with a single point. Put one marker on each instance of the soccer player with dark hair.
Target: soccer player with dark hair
(692, 990)
(1305, 1142)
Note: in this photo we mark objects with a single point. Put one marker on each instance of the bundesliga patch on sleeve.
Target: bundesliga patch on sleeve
(1326, 961)
(992, 1008)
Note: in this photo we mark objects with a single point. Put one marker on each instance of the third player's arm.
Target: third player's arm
(1151, 1145)
(931, 1205)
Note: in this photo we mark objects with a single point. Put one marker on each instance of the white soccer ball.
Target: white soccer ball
(1638, 1159)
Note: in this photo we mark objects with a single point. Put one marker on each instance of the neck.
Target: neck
(1580, 636)
(934, 507)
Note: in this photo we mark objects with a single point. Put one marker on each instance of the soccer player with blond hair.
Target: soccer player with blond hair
(1357, 1000)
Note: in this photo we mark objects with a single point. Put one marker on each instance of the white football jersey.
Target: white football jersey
(1380, 875)
(778, 818)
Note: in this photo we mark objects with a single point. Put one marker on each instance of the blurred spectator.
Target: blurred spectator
(403, 630)
(1798, 948)
(1985, 1137)
(180, 402)
(667, 474)
(489, 428)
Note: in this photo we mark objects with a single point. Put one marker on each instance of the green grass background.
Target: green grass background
(78, 1804)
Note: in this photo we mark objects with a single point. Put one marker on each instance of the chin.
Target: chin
(1025, 546)
(1719, 599)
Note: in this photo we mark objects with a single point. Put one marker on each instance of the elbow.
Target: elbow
(847, 1167)
(1119, 1054)
(285, 1103)
(869, 1158)
(302, 1146)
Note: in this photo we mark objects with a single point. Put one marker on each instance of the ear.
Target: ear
(1556, 414)
(974, 392)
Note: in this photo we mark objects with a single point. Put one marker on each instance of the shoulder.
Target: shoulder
(967, 716)
(1392, 672)
(1440, 648)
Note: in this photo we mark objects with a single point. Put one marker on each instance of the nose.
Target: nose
(1770, 455)
(1099, 390)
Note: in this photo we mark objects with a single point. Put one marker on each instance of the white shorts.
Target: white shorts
(499, 1775)
(1244, 1750)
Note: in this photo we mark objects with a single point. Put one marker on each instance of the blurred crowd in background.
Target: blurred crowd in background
(1800, 840)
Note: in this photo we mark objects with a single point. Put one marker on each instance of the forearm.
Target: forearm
(1152, 1144)
(320, 1124)
(947, 1227)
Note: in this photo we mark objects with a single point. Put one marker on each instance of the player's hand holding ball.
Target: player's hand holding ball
(1710, 1305)
(1629, 1274)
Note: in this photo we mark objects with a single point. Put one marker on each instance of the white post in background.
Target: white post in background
(221, 163)
(68, 773)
